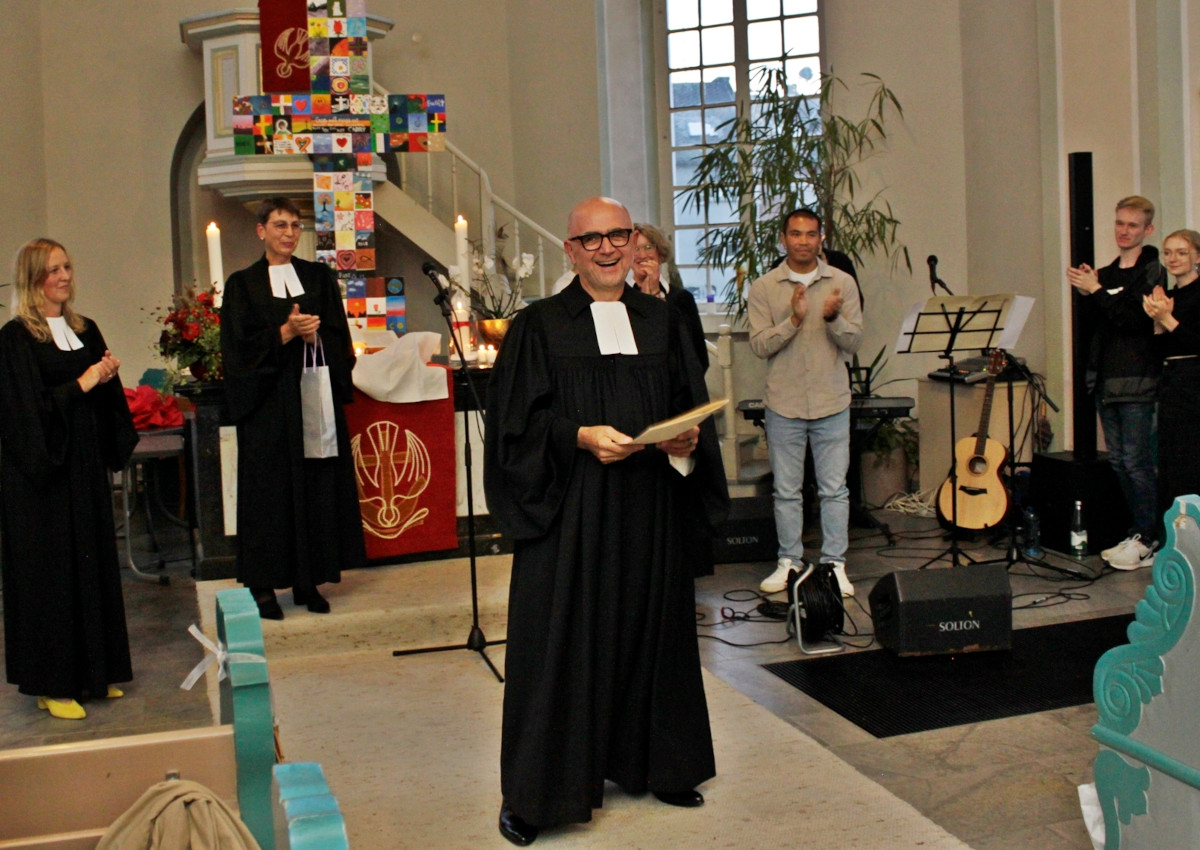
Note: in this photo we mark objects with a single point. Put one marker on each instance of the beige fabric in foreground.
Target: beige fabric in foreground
(177, 815)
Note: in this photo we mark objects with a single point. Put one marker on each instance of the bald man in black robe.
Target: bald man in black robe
(602, 665)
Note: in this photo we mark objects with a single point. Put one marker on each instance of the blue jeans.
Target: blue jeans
(1128, 435)
(830, 440)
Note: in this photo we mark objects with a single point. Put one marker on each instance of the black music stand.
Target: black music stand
(476, 642)
(947, 324)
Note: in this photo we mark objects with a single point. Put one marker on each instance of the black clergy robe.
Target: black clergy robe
(64, 615)
(298, 519)
(602, 667)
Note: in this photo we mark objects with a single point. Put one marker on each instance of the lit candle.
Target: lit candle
(461, 321)
(216, 271)
(462, 253)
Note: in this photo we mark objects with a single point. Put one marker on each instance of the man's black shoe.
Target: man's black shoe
(684, 799)
(515, 829)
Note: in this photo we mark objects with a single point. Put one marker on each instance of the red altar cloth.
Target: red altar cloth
(404, 463)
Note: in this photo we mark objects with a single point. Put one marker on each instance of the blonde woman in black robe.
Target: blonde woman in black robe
(64, 424)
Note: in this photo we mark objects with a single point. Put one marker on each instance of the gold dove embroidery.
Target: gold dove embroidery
(390, 478)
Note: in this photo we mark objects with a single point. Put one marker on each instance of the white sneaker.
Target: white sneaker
(839, 572)
(1133, 555)
(777, 580)
(1112, 551)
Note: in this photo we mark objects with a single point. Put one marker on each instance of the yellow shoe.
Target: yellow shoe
(62, 709)
(114, 692)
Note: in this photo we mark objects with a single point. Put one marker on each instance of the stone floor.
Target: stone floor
(1000, 784)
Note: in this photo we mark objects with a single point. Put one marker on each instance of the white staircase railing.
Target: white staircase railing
(453, 185)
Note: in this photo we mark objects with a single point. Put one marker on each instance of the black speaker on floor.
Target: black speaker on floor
(749, 532)
(960, 609)
(1057, 480)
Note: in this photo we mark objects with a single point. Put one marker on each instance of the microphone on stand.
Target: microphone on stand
(431, 272)
(439, 282)
(934, 280)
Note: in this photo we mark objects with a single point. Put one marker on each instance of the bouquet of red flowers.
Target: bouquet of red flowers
(191, 335)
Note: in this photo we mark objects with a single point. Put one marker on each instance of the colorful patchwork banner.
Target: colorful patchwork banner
(317, 101)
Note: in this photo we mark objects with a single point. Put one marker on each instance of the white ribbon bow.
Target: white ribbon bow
(216, 654)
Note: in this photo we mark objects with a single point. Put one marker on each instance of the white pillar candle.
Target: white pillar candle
(216, 271)
(462, 252)
(461, 321)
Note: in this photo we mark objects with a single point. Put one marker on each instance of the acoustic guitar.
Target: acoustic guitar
(978, 460)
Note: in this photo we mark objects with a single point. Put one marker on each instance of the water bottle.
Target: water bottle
(1033, 533)
(1079, 539)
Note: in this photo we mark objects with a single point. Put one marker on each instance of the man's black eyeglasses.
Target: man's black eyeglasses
(618, 238)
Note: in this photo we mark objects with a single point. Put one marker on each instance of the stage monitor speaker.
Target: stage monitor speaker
(929, 612)
(749, 532)
(1057, 480)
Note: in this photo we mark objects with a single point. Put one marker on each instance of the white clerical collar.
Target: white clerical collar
(614, 334)
(285, 283)
(64, 337)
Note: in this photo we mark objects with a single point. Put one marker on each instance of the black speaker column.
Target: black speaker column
(1083, 250)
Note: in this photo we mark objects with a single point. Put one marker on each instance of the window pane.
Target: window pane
(682, 14)
(761, 79)
(799, 7)
(716, 123)
(685, 88)
(804, 75)
(686, 128)
(716, 12)
(694, 278)
(685, 214)
(723, 212)
(686, 250)
(759, 9)
(719, 85)
(683, 49)
(765, 40)
(718, 46)
(683, 166)
(801, 36)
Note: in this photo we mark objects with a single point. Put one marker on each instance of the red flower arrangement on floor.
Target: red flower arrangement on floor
(191, 336)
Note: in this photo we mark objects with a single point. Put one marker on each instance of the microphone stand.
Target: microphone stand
(476, 642)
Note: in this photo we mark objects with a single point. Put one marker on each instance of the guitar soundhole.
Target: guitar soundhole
(978, 465)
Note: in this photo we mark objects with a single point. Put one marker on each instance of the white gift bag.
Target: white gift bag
(316, 404)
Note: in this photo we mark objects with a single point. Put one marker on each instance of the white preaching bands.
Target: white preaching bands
(285, 283)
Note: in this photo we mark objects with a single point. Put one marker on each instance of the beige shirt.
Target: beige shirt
(806, 372)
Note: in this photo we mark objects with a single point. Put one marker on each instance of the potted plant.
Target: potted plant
(890, 460)
(191, 338)
(495, 288)
(790, 152)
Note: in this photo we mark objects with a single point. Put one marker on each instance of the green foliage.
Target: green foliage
(794, 152)
(896, 433)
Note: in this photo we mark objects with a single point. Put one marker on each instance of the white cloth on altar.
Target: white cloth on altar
(401, 372)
